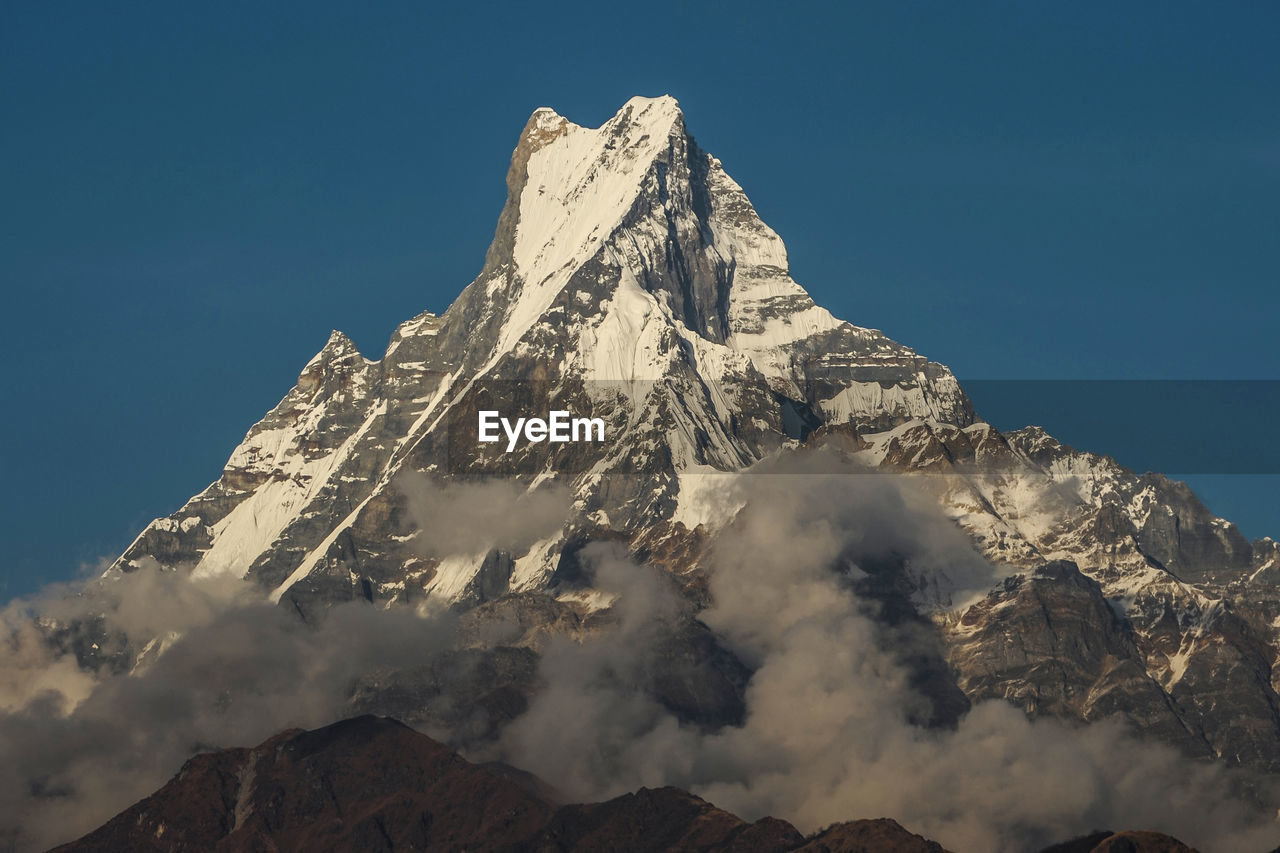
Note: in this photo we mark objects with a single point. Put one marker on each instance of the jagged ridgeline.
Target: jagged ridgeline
(631, 280)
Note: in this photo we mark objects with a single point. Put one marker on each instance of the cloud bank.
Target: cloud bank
(189, 664)
(828, 733)
(76, 748)
(827, 736)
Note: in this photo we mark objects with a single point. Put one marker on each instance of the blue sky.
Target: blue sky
(193, 198)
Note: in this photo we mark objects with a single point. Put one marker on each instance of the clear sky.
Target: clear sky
(193, 197)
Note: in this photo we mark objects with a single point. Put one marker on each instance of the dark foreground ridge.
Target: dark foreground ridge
(372, 784)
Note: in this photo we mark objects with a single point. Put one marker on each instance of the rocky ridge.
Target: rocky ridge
(372, 784)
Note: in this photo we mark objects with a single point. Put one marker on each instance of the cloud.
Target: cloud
(235, 671)
(827, 735)
(107, 685)
(473, 517)
(584, 722)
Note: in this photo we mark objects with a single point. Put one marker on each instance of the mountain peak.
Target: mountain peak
(639, 109)
(660, 112)
(655, 117)
(338, 347)
(569, 190)
(637, 221)
(543, 126)
(663, 102)
(554, 200)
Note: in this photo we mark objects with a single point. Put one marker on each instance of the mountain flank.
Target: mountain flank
(371, 784)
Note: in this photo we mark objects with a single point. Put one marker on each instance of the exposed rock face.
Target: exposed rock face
(1050, 642)
(630, 279)
(660, 819)
(362, 784)
(1184, 655)
(870, 836)
(1122, 842)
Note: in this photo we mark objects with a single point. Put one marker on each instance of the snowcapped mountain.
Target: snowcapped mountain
(627, 266)
(630, 279)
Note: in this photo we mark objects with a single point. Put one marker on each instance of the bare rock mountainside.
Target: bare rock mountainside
(372, 784)
(631, 280)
